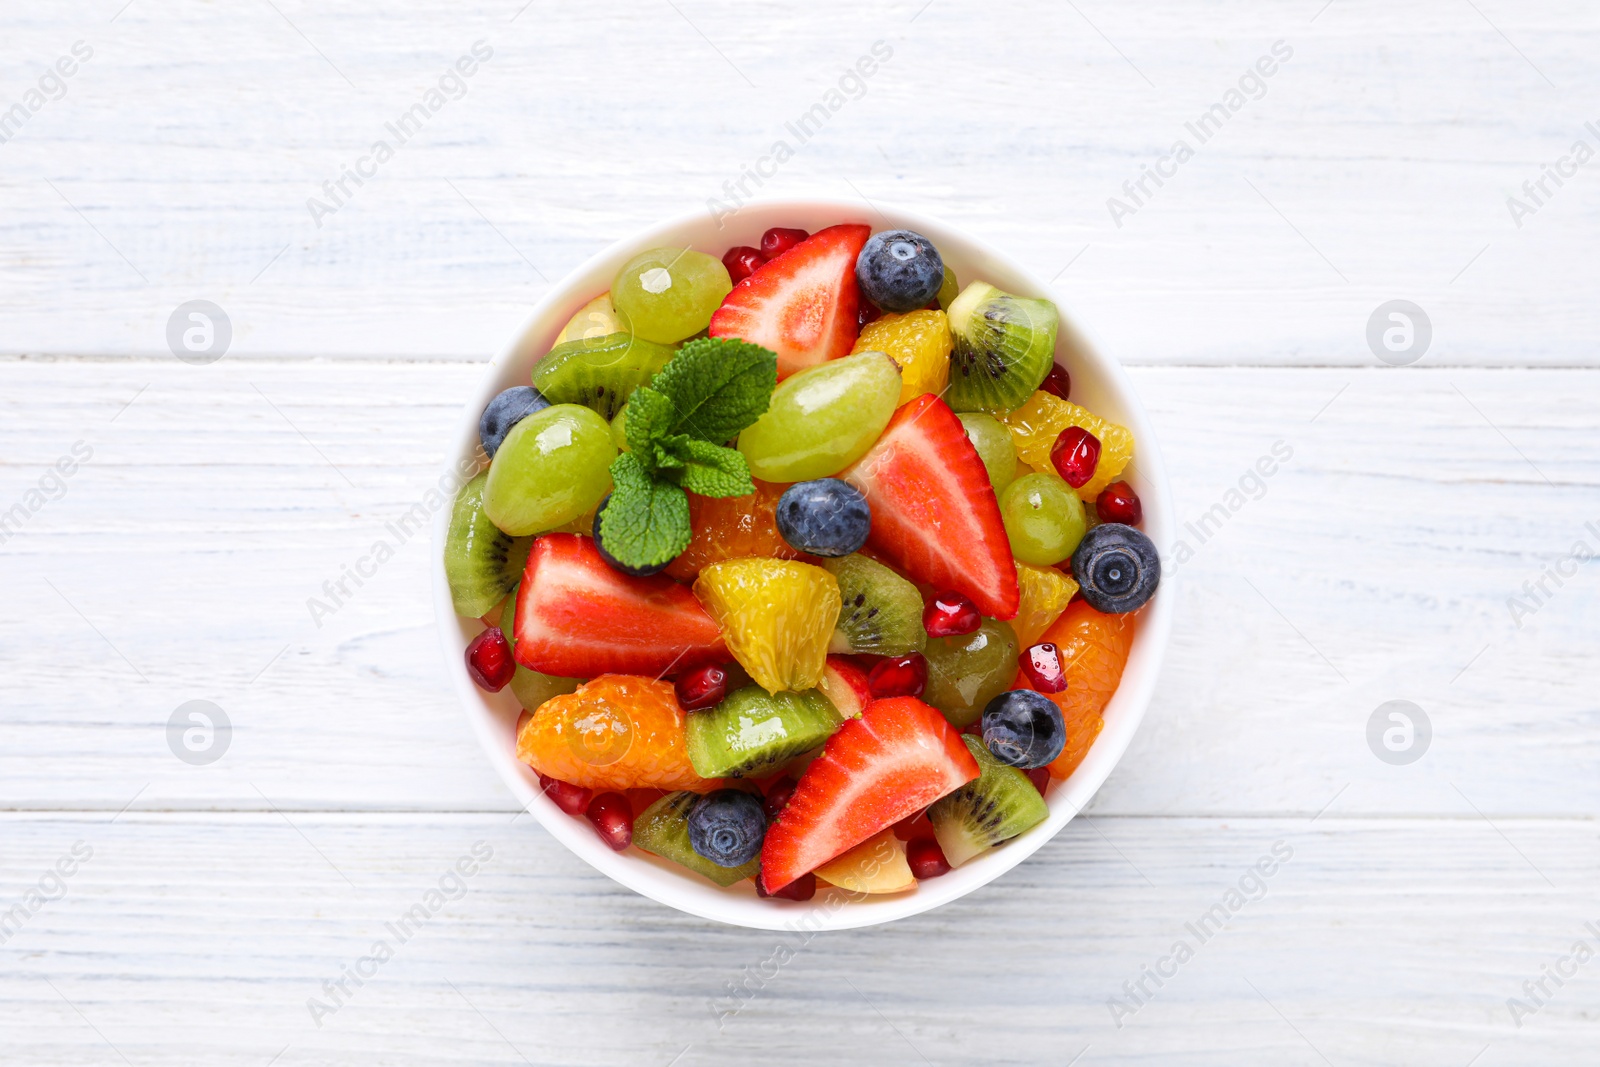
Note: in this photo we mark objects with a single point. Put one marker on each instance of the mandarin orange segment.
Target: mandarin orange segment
(1094, 648)
(620, 731)
(919, 341)
(776, 615)
(1036, 425)
(1045, 594)
(730, 527)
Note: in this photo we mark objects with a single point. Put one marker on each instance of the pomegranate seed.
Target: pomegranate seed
(901, 676)
(778, 794)
(702, 687)
(489, 660)
(949, 614)
(1040, 777)
(742, 262)
(1119, 503)
(802, 888)
(572, 799)
(867, 314)
(926, 858)
(613, 819)
(914, 826)
(1058, 382)
(1042, 664)
(1075, 455)
(778, 240)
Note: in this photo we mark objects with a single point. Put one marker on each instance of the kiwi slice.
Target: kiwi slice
(1004, 346)
(531, 687)
(881, 613)
(480, 562)
(752, 731)
(663, 829)
(996, 806)
(599, 372)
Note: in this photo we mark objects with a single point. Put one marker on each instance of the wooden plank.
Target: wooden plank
(1375, 565)
(201, 938)
(1362, 173)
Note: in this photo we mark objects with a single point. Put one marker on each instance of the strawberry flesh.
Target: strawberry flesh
(896, 759)
(579, 618)
(934, 513)
(803, 304)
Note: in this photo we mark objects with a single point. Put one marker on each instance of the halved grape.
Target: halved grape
(966, 672)
(668, 294)
(552, 467)
(823, 418)
(1044, 518)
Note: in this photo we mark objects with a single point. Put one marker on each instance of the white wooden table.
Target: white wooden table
(208, 905)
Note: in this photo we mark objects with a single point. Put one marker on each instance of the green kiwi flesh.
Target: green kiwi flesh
(599, 372)
(752, 731)
(996, 806)
(480, 561)
(1003, 348)
(881, 613)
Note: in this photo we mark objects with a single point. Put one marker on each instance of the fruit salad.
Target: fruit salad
(803, 563)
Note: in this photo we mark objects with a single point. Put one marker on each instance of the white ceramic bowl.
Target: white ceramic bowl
(1098, 382)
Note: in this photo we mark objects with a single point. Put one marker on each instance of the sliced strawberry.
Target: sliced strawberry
(846, 685)
(803, 304)
(934, 515)
(896, 759)
(579, 618)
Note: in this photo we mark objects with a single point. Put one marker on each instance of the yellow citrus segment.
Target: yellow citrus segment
(620, 731)
(877, 865)
(1036, 425)
(919, 341)
(1045, 594)
(776, 615)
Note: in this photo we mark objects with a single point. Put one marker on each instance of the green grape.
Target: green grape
(1044, 518)
(552, 467)
(669, 293)
(965, 673)
(619, 429)
(823, 419)
(993, 442)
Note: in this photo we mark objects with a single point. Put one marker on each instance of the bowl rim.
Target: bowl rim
(665, 882)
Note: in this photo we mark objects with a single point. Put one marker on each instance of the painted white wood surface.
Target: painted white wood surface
(1376, 564)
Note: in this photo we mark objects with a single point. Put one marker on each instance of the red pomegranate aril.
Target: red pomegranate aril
(900, 676)
(949, 614)
(802, 888)
(613, 819)
(489, 660)
(778, 794)
(572, 799)
(1042, 665)
(702, 687)
(778, 240)
(867, 314)
(1118, 502)
(926, 858)
(1058, 382)
(742, 261)
(914, 826)
(1075, 455)
(1040, 777)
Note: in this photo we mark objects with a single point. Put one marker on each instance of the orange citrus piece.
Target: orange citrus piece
(920, 342)
(730, 527)
(1094, 648)
(776, 615)
(1045, 594)
(1036, 425)
(620, 731)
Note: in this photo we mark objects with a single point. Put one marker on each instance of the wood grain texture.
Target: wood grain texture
(1376, 163)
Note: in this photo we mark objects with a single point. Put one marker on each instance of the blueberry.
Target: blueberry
(726, 826)
(612, 561)
(826, 517)
(505, 411)
(1022, 728)
(1117, 568)
(899, 270)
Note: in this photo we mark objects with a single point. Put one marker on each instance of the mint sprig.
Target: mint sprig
(676, 428)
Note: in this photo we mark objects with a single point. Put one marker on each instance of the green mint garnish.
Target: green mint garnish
(676, 428)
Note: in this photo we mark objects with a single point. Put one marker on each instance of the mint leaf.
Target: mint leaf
(646, 522)
(712, 470)
(717, 386)
(650, 416)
